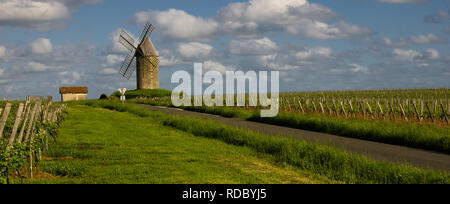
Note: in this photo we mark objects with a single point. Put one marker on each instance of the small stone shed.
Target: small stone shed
(73, 93)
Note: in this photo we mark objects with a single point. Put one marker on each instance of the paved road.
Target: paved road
(375, 150)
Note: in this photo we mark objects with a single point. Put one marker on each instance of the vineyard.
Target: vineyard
(25, 128)
(424, 106)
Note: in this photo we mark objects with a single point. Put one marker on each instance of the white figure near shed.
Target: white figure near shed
(122, 96)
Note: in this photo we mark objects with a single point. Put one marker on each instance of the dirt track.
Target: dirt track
(374, 150)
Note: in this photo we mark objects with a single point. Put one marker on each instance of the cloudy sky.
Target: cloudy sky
(315, 44)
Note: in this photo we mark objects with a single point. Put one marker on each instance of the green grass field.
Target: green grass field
(103, 146)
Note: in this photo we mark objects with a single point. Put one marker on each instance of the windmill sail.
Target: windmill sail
(128, 66)
(144, 59)
(147, 31)
(127, 41)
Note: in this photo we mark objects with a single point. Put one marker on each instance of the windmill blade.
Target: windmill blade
(128, 66)
(127, 41)
(141, 37)
(144, 31)
(147, 31)
(131, 69)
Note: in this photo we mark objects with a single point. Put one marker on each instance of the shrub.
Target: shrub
(103, 97)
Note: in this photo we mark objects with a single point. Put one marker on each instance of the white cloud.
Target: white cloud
(297, 17)
(352, 68)
(108, 71)
(276, 11)
(41, 46)
(38, 67)
(112, 64)
(261, 46)
(31, 12)
(277, 62)
(314, 53)
(415, 56)
(69, 78)
(359, 68)
(194, 50)
(432, 54)
(429, 38)
(116, 46)
(426, 39)
(112, 59)
(39, 14)
(323, 31)
(168, 58)
(261, 10)
(178, 24)
(169, 61)
(2, 72)
(216, 66)
(400, 42)
(406, 55)
(253, 19)
(241, 29)
(76, 76)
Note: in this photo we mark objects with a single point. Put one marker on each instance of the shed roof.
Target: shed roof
(67, 90)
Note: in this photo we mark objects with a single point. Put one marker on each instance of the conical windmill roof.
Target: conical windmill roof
(147, 48)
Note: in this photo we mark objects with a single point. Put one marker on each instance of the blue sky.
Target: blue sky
(315, 44)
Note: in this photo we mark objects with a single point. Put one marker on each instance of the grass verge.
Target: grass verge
(406, 134)
(319, 159)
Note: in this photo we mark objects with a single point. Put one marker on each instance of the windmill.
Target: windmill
(143, 58)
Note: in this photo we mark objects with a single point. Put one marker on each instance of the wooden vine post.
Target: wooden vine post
(335, 108)
(24, 124)
(381, 109)
(301, 106)
(445, 114)
(321, 107)
(392, 111)
(32, 120)
(314, 105)
(4, 118)
(417, 112)
(429, 112)
(370, 109)
(403, 112)
(343, 108)
(16, 125)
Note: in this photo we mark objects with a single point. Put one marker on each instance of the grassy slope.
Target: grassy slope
(102, 146)
(320, 159)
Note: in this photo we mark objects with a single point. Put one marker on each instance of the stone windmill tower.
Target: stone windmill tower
(143, 58)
